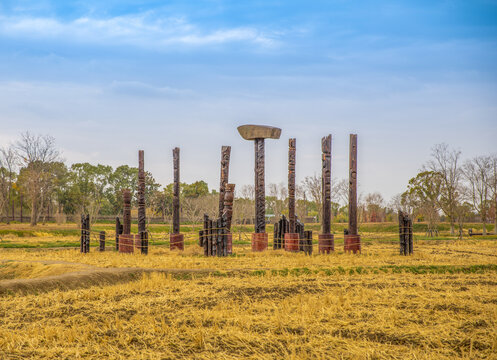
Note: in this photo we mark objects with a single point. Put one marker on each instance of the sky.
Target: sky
(107, 78)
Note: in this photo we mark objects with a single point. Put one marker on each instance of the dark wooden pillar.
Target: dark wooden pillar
(352, 241)
(260, 192)
(353, 185)
(326, 239)
(228, 205)
(176, 240)
(291, 183)
(326, 184)
(142, 231)
(225, 165)
(176, 191)
(102, 241)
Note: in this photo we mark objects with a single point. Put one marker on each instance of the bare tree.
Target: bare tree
(35, 154)
(8, 160)
(375, 211)
(477, 172)
(192, 209)
(492, 186)
(340, 191)
(403, 202)
(278, 194)
(248, 192)
(312, 186)
(445, 162)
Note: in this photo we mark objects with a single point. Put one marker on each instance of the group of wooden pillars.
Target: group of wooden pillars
(286, 231)
(216, 237)
(125, 241)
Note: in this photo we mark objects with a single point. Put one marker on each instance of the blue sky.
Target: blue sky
(402, 75)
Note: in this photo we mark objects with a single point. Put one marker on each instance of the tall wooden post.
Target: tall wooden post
(291, 183)
(176, 240)
(260, 191)
(352, 241)
(291, 237)
(225, 165)
(142, 231)
(326, 239)
(126, 243)
(258, 133)
(176, 191)
(229, 195)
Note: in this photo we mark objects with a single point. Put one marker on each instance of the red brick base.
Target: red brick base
(259, 241)
(176, 241)
(326, 243)
(126, 243)
(352, 243)
(292, 242)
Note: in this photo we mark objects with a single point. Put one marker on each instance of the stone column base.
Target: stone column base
(352, 243)
(259, 241)
(126, 243)
(326, 243)
(176, 241)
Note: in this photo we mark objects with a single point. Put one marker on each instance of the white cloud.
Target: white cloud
(143, 30)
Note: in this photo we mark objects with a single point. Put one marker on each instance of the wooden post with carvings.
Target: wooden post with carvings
(326, 239)
(352, 241)
(142, 231)
(225, 166)
(229, 195)
(258, 133)
(176, 240)
(292, 236)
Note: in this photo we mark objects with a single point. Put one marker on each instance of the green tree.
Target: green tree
(424, 192)
(195, 190)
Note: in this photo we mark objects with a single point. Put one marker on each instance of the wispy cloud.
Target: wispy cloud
(144, 30)
(137, 88)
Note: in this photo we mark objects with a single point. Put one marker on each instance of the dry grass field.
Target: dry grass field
(440, 303)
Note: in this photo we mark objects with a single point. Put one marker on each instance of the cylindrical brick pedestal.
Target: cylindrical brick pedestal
(126, 243)
(229, 240)
(259, 241)
(176, 241)
(352, 243)
(326, 243)
(292, 242)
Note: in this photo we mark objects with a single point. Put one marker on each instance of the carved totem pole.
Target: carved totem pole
(352, 241)
(225, 168)
(326, 240)
(229, 196)
(176, 240)
(291, 237)
(142, 237)
(258, 133)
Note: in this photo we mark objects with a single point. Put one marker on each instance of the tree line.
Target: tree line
(35, 178)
